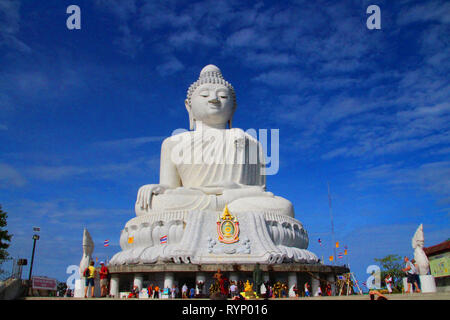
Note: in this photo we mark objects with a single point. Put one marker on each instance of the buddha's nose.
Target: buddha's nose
(215, 100)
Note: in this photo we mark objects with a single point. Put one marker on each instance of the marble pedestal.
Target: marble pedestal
(192, 237)
(427, 283)
(123, 276)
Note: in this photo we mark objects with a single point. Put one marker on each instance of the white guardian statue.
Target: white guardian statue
(423, 265)
(88, 249)
(427, 281)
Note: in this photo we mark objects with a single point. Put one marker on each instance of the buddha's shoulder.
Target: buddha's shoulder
(239, 133)
(175, 139)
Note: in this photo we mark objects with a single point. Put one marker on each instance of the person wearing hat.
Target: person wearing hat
(103, 279)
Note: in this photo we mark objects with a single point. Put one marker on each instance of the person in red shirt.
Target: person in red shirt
(150, 291)
(104, 279)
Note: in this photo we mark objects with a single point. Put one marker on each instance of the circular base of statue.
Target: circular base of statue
(200, 237)
(167, 274)
(427, 283)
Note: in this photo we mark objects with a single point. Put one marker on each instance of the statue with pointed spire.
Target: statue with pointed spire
(423, 265)
(88, 249)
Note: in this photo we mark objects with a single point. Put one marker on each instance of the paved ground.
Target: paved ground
(414, 296)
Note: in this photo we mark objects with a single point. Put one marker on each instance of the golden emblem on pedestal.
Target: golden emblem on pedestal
(227, 227)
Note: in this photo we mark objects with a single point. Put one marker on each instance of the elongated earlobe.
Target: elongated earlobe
(191, 122)
(229, 124)
(191, 118)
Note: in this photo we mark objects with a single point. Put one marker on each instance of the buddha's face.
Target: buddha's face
(212, 104)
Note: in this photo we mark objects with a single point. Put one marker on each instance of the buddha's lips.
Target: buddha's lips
(214, 106)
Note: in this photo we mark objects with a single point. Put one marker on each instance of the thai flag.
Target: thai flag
(163, 240)
(341, 255)
(106, 243)
(320, 241)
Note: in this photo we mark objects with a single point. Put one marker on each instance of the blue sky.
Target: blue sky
(83, 113)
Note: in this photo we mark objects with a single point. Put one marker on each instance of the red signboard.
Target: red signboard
(43, 283)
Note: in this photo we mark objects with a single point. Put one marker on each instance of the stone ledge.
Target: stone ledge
(173, 267)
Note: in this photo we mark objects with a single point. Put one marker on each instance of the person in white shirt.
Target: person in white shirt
(184, 291)
(233, 289)
(410, 270)
(388, 281)
(319, 291)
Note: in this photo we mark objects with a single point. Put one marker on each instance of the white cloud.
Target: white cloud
(9, 176)
(128, 142)
(432, 11)
(129, 44)
(122, 9)
(433, 177)
(10, 26)
(171, 66)
(105, 171)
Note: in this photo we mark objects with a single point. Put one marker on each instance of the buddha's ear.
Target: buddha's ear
(188, 107)
(191, 117)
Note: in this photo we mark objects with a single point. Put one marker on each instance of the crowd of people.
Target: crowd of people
(234, 289)
(156, 292)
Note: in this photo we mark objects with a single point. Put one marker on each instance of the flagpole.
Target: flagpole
(346, 259)
(332, 224)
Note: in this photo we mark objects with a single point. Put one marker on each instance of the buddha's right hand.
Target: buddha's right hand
(145, 194)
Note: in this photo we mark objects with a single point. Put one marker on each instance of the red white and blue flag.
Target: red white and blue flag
(106, 243)
(163, 240)
(320, 241)
(341, 255)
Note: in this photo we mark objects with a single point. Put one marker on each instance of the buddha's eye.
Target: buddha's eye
(223, 97)
(204, 94)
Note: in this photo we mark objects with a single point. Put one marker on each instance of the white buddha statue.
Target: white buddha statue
(217, 165)
(212, 169)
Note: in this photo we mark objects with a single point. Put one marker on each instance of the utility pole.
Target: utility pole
(35, 238)
(332, 224)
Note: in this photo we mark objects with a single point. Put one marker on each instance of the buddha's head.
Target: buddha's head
(211, 99)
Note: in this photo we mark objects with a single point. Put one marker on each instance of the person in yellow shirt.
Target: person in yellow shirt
(90, 276)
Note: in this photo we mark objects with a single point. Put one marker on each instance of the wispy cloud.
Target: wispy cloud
(129, 42)
(128, 142)
(105, 171)
(10, 22)
(433, 177)
(432, 11)
(170, 66)
(9, 176)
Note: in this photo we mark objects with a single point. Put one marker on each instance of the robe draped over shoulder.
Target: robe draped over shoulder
(218, 158)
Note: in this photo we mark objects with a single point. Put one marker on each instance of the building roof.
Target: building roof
(438, 248)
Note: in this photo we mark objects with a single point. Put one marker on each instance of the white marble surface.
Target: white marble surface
(201, 172)
(418, 241)
(192, 238)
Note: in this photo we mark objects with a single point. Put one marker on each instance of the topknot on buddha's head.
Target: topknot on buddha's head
(210, 74)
